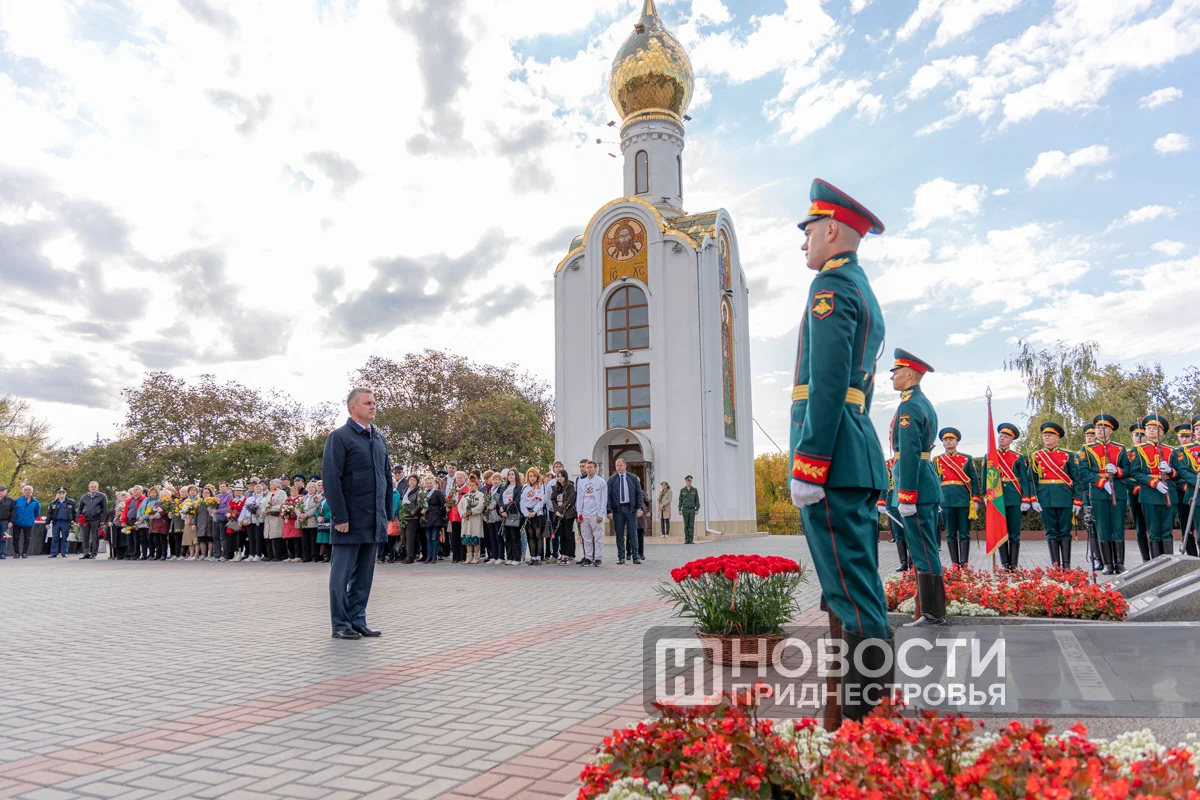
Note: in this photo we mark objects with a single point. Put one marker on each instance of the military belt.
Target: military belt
(924, 457)
(1052, 481)
(854, 397)
(953, 483)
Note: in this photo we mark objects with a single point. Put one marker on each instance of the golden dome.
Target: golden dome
(651, 70)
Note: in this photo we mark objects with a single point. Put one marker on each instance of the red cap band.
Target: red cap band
(913, 365)
(857, 221)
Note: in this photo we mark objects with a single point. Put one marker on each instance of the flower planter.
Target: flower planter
(745, 651)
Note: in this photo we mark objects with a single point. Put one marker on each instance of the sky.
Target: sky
(271, 191)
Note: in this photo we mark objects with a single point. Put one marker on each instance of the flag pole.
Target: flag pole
(985, 466)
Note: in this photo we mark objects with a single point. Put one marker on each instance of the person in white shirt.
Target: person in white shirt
(591, 504)
(533, 508)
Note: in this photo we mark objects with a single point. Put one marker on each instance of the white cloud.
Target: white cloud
(858, 5)
(1000, 192)
(817, 107)
(956, 18)
(1172, 143)
(1160, 97)
(1140, 295)
(933, 74)
(1073, 58)
(787, 41)
(1057, 164)
(1169, 248)
(1140, 215)
(870, 107)
(943, 199)
(710, 12)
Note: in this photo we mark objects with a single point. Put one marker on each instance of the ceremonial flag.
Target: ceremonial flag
(993, 499)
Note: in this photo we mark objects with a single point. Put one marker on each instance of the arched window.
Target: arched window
(641, 165)
(679, 173)
(728, 370)
(627, 320)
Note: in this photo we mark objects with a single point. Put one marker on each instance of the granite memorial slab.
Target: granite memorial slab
(1153, 573)
(1174, 601)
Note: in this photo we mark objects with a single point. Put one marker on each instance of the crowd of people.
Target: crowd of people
(497, 517)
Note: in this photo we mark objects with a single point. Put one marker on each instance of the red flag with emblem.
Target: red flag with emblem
(995, 522)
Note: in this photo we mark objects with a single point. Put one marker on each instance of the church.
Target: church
(652, 350)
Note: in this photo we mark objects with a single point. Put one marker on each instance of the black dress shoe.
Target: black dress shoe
(365, 631)
(347, 635)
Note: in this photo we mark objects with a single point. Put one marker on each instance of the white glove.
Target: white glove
(1108, 487)
(908, 509)
(805, 494)
(1037, 507)
(1024, 506)
(1111, 469)
(1162, 487)
(1165, 468)
(975, 503)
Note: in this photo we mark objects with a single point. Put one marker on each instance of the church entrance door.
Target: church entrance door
(634, 461)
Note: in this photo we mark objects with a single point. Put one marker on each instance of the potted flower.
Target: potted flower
(738, 603)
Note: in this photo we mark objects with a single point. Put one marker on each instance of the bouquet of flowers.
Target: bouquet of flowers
(473, 499)
(288, 511)
(188, 507)
(169, 506)
(211, 502)
(742, 595)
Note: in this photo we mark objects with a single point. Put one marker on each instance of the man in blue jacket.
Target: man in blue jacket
(358, 488)
(624, 507)
(25, 513)
(60, 515)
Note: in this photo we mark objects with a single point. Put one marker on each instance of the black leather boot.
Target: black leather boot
(964, 552)
(933, 601)
(1055, 554)
(1144, 546)
(1065, 551)
(1119, 557)
(1014, 554)
(1156, 550)
(952, 546)
(902, 551)
(1004, 563)
(1106, 555)
(867, 692)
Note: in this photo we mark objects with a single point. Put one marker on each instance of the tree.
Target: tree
(115, 465)
(242, 458)
(773, 495)
(435, 408)
(24, 439)
(306, 458)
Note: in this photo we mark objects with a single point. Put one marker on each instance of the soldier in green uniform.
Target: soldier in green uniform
(960, 494)
(1019, 497)
(837, 464)
(1059, 493)
(1187, 466)
(1152, 471)
(1089, 517)
(1138, 434)
(689, 505)
(887, 507)
(1106, 472)
(914, 430)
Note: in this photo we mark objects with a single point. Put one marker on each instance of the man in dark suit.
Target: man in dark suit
(624, 507)
(358, 487)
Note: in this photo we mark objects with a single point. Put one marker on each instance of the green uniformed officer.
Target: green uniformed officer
(689, 505)
(1106, 472)
(1138, 434)
(914, 430)
(887, 507)
(1059, 492)
(1152, 471)
(1187, 467)
(837, 464)
(960, 494)
(1019, 496)
(1089, 438)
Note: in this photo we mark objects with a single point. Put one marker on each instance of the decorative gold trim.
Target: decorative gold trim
(855, 397)
(662, 226)
(650, 115)
(571, 255)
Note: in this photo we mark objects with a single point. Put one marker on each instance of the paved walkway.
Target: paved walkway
(173, 680)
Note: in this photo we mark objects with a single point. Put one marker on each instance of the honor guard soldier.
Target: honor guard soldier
(689, 504)
(1152, 471)
(960, 495)
(1138, 435)
(837, 464)
(887, 507)
(1089, 438)
(1106, 472)
(1187, 467)
(1019, 493)
(1059, 496)
(914, 430)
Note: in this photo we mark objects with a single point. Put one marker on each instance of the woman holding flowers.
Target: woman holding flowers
(187, 512)
(233, 524)
(175, 532)
(160, 524)
(470, 509)
(204, 508)
(510, 513)
(533, 508)
(324, 522)
(434, 520)
(412, 500)
(492, 519)
(273, 524)
(117, 541)
(307, 507)
(562, 505)
(291, 531)
(141, 525)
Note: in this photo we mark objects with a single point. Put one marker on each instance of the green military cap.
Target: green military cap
(1136, 428)
(828, 201)
(1053, 427)
(1106, 419)
(688, 478)
(944, 432)
(1156, 419)
(907, 359)
(1010, 429)
(1089, 428)
(1195, 421)
(1184, 427)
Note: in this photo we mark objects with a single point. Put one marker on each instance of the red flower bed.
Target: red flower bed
(724, 751)
(1023, 593)
(736, 595)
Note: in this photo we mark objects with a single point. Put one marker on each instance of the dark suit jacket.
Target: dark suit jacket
(614, 492)
(358, 484)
